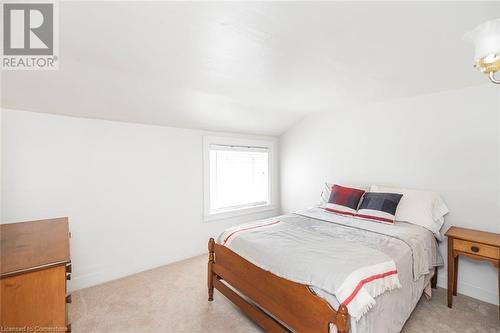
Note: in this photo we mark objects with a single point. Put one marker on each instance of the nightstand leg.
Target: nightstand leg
(455, 276)
(499, 292)
(450, 272)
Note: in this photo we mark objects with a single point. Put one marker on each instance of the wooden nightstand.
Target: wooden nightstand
(473, 244)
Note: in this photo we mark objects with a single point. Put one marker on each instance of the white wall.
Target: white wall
(448, 142)
(133, 193)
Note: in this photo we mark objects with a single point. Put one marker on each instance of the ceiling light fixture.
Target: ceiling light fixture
(486, 40)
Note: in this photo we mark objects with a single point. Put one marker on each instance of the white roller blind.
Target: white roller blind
(239, 177)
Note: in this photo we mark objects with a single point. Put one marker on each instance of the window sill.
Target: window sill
(237, 212)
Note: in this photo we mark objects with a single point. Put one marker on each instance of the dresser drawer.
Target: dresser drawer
(34, 299)
(476, 249)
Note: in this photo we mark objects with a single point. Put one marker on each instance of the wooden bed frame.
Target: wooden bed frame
(288, 305)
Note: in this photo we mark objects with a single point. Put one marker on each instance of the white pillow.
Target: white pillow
(325, 194)
(424, 208)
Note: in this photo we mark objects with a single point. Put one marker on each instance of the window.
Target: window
(237, 176)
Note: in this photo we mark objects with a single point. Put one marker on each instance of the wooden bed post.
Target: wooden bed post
(342, 321)
(434, 279)
(210, 276)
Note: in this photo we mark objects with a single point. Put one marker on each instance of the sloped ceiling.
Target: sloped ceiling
(248, 67)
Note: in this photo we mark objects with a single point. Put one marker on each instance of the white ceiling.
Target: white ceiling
(249, 67)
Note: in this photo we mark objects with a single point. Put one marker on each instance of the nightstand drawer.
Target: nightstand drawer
(476, 248)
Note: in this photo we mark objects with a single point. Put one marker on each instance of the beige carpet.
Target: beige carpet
(173, 298)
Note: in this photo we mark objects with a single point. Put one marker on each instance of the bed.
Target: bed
(264, 270)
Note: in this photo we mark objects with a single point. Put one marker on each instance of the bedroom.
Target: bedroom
(151, 127)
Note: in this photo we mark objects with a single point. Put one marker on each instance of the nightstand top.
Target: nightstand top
(488, 238)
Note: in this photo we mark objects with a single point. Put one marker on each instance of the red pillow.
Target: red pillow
(344, 200)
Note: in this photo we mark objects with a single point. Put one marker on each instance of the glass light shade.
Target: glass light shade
(486, 39)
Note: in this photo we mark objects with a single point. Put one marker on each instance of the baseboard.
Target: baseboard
(472, 291)
(117, 270)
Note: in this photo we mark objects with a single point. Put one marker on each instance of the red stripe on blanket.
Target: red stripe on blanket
(365, 281)
(339, 211)
(377, 218)
(254, 227)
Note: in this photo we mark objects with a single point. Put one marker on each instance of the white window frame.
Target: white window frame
(243, 142)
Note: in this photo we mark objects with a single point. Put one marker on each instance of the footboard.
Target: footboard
(292, 305)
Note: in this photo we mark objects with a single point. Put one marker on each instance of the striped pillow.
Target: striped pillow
(344, 200)
(379, 207)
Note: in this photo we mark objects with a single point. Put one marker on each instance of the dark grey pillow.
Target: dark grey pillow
(379, 206)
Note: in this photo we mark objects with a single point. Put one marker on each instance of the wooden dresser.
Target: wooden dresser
(35, 265)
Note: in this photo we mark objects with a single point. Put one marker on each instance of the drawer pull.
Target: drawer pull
(474, 249)
(68, 276)
(68, 298)
(69, 268)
